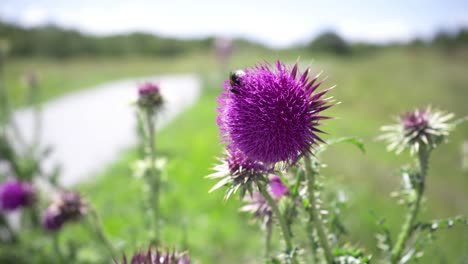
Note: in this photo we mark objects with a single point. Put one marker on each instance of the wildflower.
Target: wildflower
(156, 256)
(15, 194)
(238, 171)
(149, 96)
(419, 128)
(271, 114)
(277, 187)
(69, 206)
(258, 206)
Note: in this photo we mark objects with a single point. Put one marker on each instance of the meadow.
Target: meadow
(373, 88)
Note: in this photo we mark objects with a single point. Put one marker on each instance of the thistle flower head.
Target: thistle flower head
(15, 194)
(149, 96)
(271, 113)
(256, 203)
(238, 172)
(69, 206)
(156, 256)
(416, 129)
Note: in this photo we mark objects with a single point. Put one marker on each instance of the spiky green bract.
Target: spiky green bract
(238, 172)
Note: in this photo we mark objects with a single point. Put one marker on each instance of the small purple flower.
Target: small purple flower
(15, 194)
(149, 96)
(258, 206)
(69, 206)
(415, 120)
(277, 188)
(156, 256)
(271, 115)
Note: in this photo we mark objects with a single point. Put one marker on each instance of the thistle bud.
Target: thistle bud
(149, 96)
(69, 206)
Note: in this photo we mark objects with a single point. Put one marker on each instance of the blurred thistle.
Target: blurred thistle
(67, 207)
(258, 206)
(15, 194)
(156, 256)
(149, 96)
(271, 113)
(238, 172)
(419, 128)
(420, 131)
(31, 79)
(150, 102)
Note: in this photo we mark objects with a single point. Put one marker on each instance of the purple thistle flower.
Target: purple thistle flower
(415, 120)
(15, 194)
(416, 129)
(149, 96)
(69, 206)
(156, 256)
(271, 115)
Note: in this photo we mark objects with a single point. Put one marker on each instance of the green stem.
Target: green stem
(154, 180)
(58, 251)
(312, 245)
(423, 157)
(269, 230)
(12, 235)
(277, 213)
(97, 228)
(313, 214)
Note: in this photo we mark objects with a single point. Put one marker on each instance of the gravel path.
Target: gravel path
(89, 129)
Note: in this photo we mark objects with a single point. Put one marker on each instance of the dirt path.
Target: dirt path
(89, 129)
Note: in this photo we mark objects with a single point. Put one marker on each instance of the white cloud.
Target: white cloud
(375, 31)
(33, 16)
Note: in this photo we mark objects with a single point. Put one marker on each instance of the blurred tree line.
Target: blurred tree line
(331, 42)
(54, 41)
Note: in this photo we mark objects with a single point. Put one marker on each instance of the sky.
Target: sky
(274, 23)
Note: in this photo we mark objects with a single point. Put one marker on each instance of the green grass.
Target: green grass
(372, 89)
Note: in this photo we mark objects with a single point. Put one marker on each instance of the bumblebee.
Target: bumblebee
(235, 79)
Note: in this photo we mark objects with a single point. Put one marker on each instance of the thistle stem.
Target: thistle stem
(12, 235)
(58, 251)
(423, 157)
(312, 244)
(313, 214)
(99, 232)
(269, 230)
(154, 180)
(277, 213)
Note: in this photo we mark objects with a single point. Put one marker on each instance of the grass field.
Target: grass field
(372, 89)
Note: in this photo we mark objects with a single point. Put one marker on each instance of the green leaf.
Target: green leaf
(352, 140)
